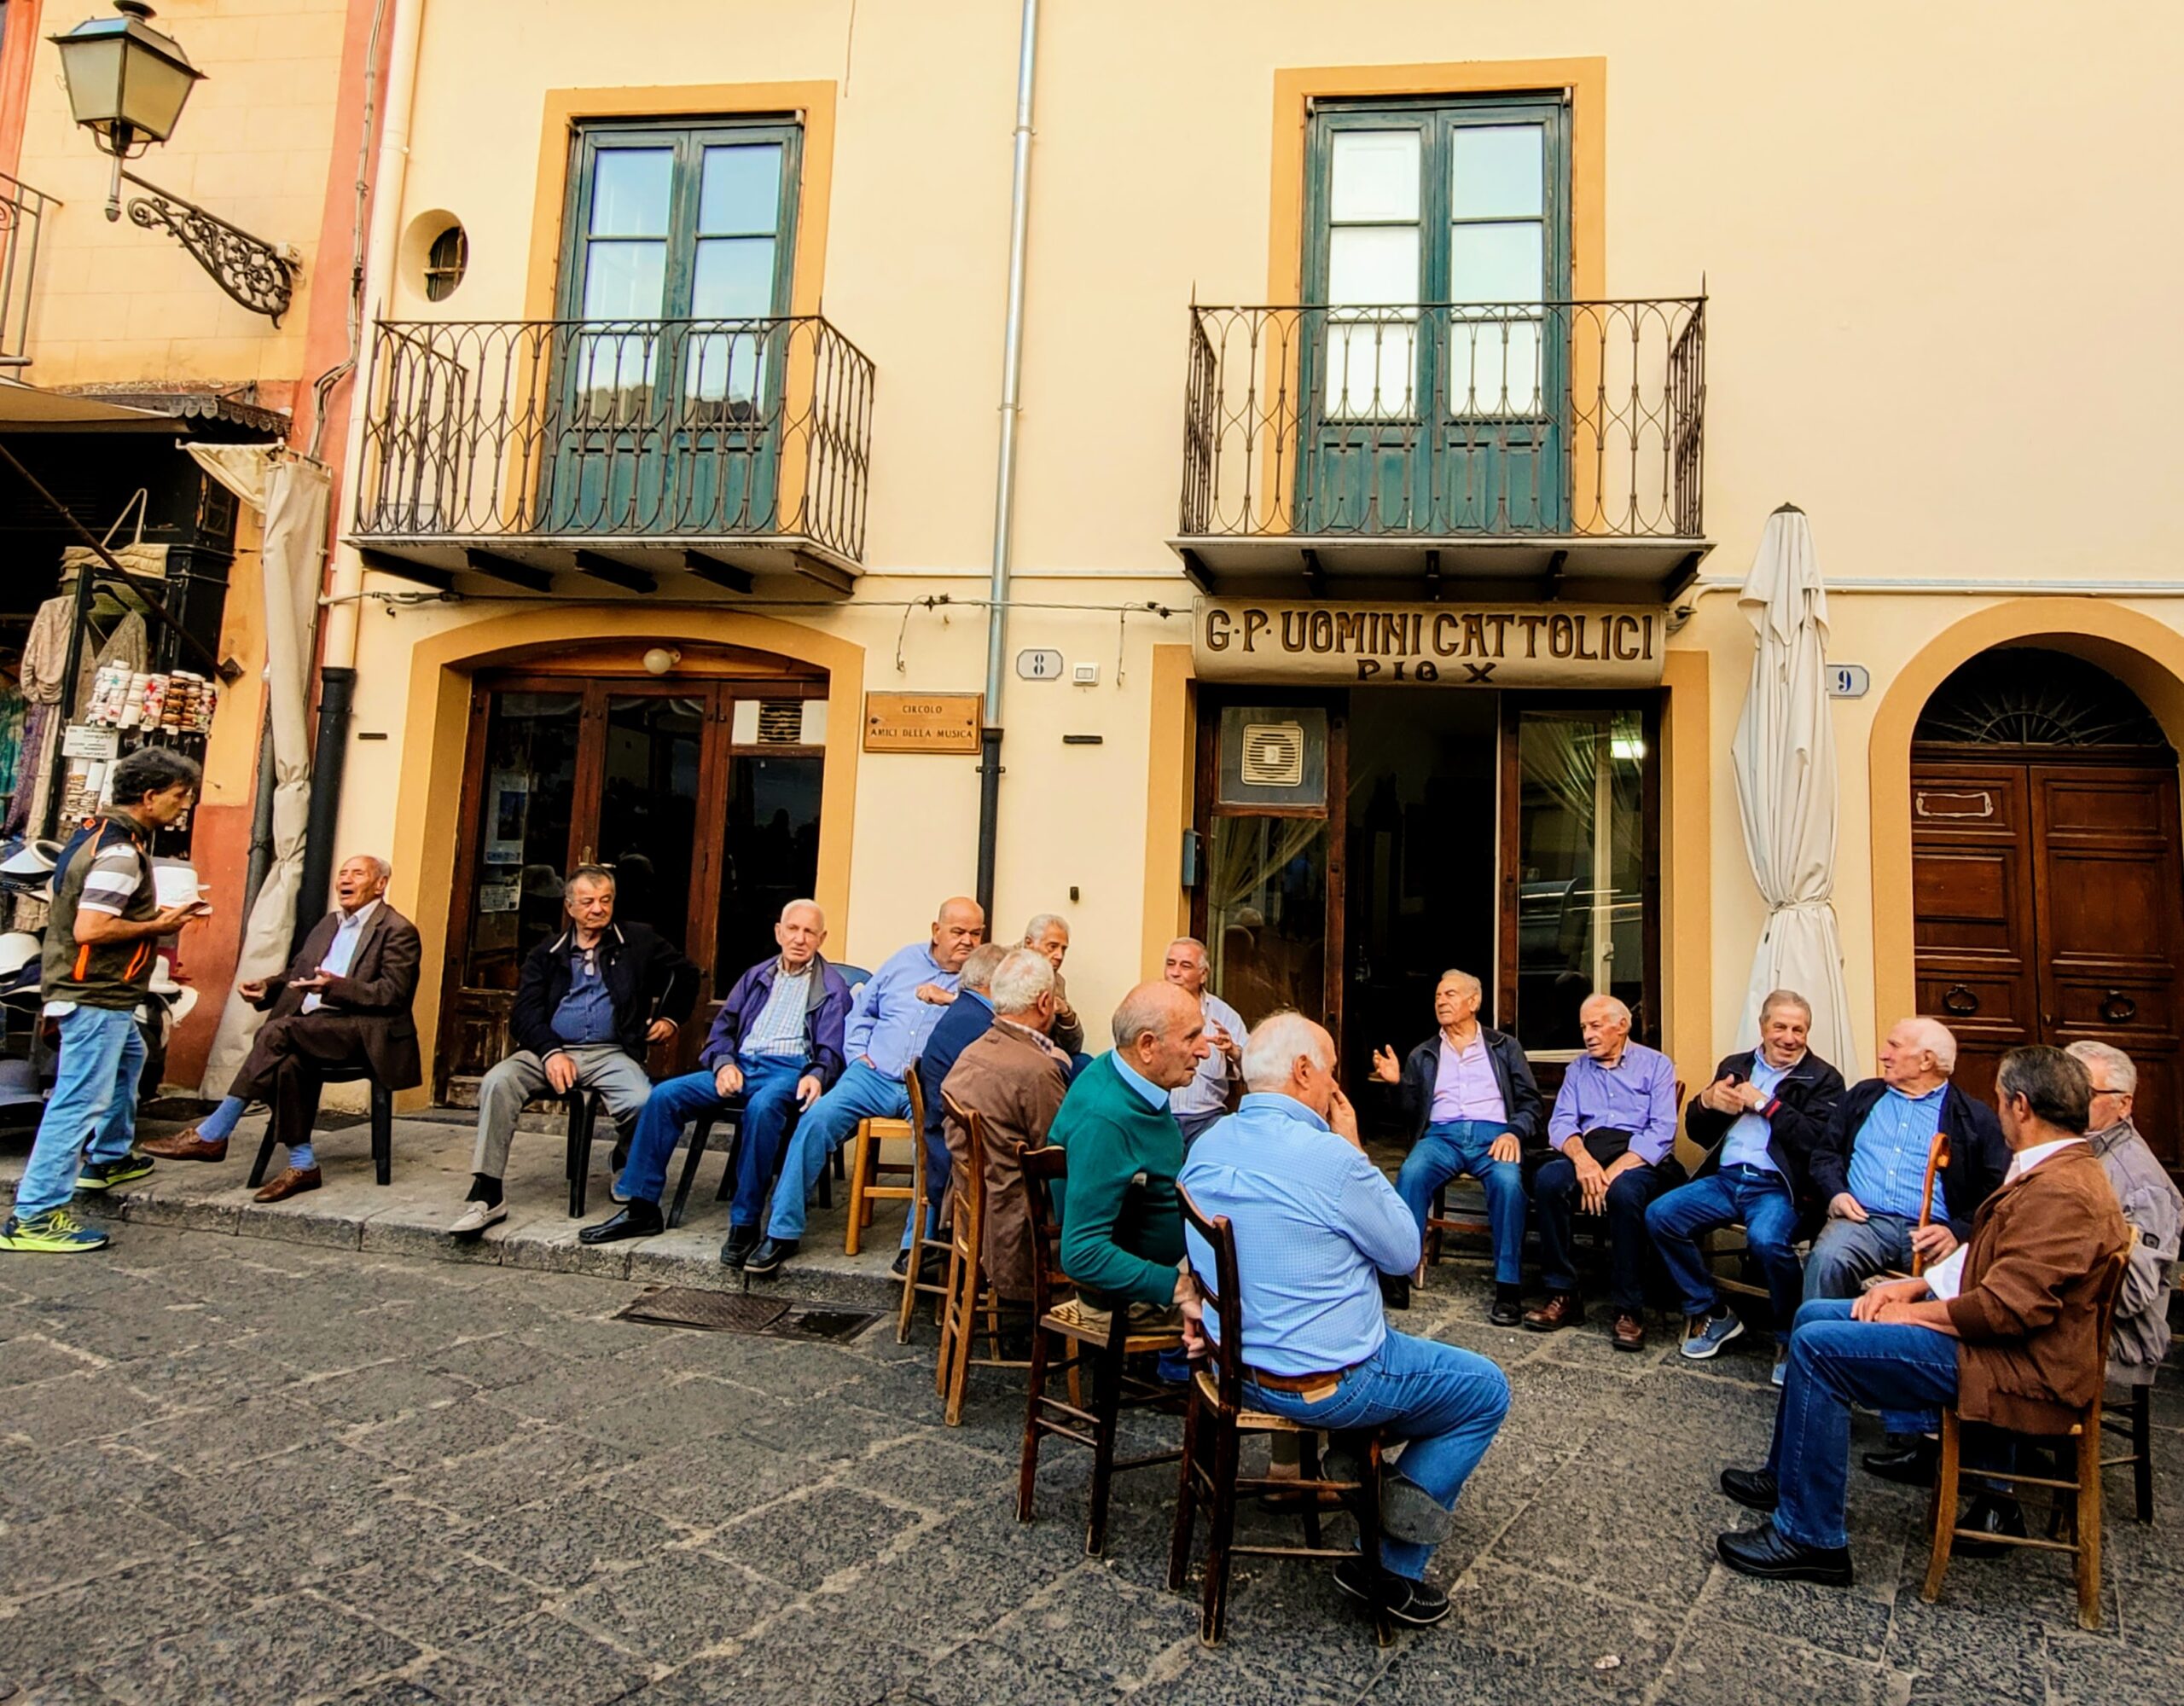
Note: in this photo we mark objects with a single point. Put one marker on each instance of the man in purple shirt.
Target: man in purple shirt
(1614, 1126)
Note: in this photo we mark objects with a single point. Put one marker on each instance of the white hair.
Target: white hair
(1041, 924)
(1275, 1043)
(1018, 983)
(810, 906)
(383, 867)
(1938, 1040)
(2122, 1076)
(1609, 1002)
(1464, 981)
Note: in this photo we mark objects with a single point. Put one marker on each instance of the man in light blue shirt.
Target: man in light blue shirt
(894, 1012)
(1316, 1224)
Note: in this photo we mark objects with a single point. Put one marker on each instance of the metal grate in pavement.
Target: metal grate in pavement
(737, 1311)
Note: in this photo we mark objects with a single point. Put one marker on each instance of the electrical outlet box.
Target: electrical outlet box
(1085, 675)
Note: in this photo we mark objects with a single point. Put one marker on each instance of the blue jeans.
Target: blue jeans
(1847, 1253)
(769, 1098)
(1752, 1195)
(1454, 1146)
(862, 1092)
(1446, 1403)
(94, 1097)
(1907, 1373)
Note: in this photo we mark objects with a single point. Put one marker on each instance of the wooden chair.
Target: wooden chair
(921, 1241)
(2133, 1421)
(969, 1298)
(1213, 1425)
(2084, 1543)
(1059, 1317)
(866, 1170)
(382, 1125)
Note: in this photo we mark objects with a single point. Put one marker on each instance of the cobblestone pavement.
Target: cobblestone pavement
(236, 1470)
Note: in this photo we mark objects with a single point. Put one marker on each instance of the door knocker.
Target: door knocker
(1960, 1001)
(2119, 1008)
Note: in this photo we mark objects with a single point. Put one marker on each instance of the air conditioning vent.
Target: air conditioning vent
(780, 722)
(1273, 755)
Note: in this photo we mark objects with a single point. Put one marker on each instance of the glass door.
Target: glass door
(702, 798)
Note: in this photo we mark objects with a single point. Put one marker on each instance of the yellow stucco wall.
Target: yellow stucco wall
(116, 304)
(1899, 246)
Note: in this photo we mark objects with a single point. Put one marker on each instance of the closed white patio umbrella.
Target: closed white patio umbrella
(1785, 757)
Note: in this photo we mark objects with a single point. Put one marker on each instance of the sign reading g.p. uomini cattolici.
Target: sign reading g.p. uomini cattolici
(1433, 645)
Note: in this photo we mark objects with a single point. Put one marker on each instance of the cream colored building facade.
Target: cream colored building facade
(1913, 329)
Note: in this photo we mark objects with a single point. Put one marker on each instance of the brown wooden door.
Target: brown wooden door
(2048, 905)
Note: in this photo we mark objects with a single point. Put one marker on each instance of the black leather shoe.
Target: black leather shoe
(637, 1219)
(1419, 1604)
(769, 1255)
(1991, 1514)
(1508, 1308)
(1909, 1465)
(1395, 1290)
(741, 1241)
(1762, 1552)
(1753, 1489)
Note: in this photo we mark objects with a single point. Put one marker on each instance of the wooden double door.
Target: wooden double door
(2049, 909)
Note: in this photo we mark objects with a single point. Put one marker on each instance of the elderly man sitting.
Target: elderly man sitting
(1316, 1225)
(894, 1013)
(1614, 1122)
(1122, 1227)
(1214, 1087)
(2004, 1330)
(1471, 1105)
(2152, 1208)
(1015, 1078)
(1048, 935)
(1757, 1122)
(777, 1042)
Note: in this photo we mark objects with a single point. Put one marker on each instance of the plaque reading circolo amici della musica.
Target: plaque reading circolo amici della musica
(922, 722)
(1428, 645)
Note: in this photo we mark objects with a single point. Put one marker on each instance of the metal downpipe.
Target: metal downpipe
(1004, 504)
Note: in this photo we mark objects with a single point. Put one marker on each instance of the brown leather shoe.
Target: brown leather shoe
(185, 1146)
(1561, 1309)
(1630, 1331)
(287, 1183)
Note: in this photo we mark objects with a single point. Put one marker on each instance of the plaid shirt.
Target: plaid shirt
(780, 1027)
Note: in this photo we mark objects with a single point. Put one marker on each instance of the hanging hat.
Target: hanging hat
(180, 998)
(18, 948)
(31, 858)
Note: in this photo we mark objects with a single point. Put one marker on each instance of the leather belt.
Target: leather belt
(1311, 1387)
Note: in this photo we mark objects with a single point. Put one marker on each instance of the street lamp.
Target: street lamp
(127, 85)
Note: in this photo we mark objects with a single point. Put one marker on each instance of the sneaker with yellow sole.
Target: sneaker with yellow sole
(55, 1233)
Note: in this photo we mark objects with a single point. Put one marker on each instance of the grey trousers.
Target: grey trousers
(1848, 1253)
(601, 1066)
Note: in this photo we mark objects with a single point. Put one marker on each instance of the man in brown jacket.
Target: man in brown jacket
(1014, 1076)
(2006, 1329)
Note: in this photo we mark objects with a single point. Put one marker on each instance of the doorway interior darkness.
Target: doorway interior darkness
(2045, 873)
(700, 790)
(1358, 844)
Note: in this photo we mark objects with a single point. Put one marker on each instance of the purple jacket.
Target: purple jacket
(825, 1013)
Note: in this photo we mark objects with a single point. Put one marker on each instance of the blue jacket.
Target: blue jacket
(969, 1016)
(826, 1011)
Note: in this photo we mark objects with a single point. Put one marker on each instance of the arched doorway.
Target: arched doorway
(700, 787)
(2045, 863)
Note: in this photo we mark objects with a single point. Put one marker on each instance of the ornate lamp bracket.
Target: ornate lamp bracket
(255, 273)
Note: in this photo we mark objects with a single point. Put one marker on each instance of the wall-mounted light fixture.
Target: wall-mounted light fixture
(127, 85)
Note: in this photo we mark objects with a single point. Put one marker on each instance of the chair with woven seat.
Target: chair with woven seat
(1214, 1423)
(970, 1307)
(2082, 1513)
(1090, 1345)
(382, 1117)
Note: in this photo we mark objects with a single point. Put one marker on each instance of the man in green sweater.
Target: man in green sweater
(1122, 1224)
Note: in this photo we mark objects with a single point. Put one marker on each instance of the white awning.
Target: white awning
(25, 408)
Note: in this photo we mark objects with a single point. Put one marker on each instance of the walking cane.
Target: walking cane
(1935, 1162)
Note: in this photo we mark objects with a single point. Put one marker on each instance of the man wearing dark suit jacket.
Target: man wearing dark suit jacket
(1470, 1106)
(344, 1001)
(1759, 1121)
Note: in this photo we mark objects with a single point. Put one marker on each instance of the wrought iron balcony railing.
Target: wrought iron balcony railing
(22, 212)
(1557, 420)
(628, 431)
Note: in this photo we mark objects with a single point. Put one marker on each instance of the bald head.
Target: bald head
(958, 927)
(1918, 1055)
(1161, 1033)
(1606, 1022)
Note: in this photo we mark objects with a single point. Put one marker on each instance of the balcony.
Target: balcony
(565, 456)
(1512, 451)
(22, 212)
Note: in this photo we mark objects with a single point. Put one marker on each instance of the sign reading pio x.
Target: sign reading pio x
(1430, 644)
